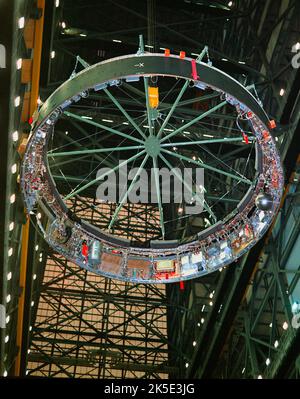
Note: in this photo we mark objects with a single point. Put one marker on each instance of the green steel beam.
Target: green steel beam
(197, 119)
(124, 198)
(128, 117)
(182, 91)
(223, 141)
(206, 207)
(157, 186)
(94, 151)
(205, 166)
(103, 175)
(109, 129)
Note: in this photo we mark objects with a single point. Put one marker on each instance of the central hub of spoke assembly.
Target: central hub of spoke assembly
(152, 146)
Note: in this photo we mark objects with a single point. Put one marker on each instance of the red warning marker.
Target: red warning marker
(250, 114)
(181, 285)
(30, 120)
(272, 124)
(194, 70)
(245, 137)
(167, 52)
(182, 54)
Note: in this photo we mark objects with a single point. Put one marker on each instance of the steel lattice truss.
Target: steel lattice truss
(89, 326)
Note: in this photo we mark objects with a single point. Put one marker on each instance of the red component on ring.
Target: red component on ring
(272, 124)
(84, 250)
(30, 120)
(245, 137)
(167, 52)
(181, 285)
(249, 114)
(194, 70)
(265, 134)
(182, 54)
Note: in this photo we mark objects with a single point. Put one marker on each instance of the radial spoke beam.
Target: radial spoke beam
(157, 186)
(109, 129)
(205, 166)
(90, 183)
(206, 206)
(124, 198)
(94, 151)
(223, 140)
(198, 118)
(183, 89)
(127, 116)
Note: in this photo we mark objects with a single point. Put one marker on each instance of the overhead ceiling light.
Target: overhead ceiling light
(107, 120)
(148, 46)
(186, 365)
(10, 252)
(285, 325)
(21, 22)
(14, 168)
(12, 198)
(259, 377)
(242, 62)
(9, 276)
(34, 276)
(19, 63)
(8, 298)
(207, 135)
(281, 93)
(117, 41)
(202, 320)
(6, 339)
(243, 370)
(56, 3)
(268, 361)
(66, 132)
(17, 101)
(63, 25)
(11, 226)
(211, 303)
(83, 35)
(180, 210)
(198, 324)
(230, 4)
(224, 59)
(270, 325)
(276, 343)
(296, 46)
(194, 343)
(52, 54)
(7, 319)
(5, 373)
(86, 117)
(36, 247)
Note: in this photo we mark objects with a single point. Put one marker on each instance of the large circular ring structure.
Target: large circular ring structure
(162, 261)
